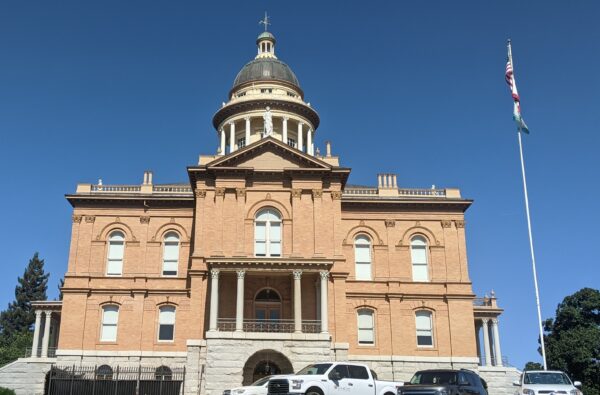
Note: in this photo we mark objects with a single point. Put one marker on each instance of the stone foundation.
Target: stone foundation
(26, 376)
(500, 379)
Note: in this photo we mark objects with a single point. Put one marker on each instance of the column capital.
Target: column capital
(296, 193)
(297, 274)
(231, 123)
(38, 313)
(286, 119)
(324, 274)
(241, 273)
(485, 321)
(246, 118)
(48, 313)
(494, 321)
(214, 273)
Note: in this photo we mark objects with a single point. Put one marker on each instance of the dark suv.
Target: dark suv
(445, 382)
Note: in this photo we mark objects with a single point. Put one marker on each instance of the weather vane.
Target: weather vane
(265, 21)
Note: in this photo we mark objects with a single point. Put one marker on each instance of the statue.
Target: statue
(268, 118)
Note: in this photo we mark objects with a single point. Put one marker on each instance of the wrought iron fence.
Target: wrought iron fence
(106, 380)
(280, 326)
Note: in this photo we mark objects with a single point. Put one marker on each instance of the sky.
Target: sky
(109, 89)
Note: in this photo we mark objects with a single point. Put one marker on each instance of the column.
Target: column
(300, 143)
(231, 137)
(486, 342)
(477, 342)
(324, 282)
(46, 338)
(239, 308)
(36, 334)
(309, 142)
(297, 301)
(222, 142)
(497, 352)
(214, 299)
(247, 130)
(284, 132)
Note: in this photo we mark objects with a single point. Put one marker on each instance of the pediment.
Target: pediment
(269, 154)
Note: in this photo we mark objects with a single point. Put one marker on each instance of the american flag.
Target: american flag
(510, 80)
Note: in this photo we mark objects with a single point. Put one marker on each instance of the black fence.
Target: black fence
(107, 380)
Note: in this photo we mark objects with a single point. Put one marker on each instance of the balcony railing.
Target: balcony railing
(51, 352)
(409, 192)
(116, 188)
(493, 359)
(277, 326)
(482, 302)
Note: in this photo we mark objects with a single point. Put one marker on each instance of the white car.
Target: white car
(546, 382)
(259, 387)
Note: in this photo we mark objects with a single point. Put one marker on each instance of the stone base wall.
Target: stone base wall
(227, 357)
(26, 376)
(500, 379)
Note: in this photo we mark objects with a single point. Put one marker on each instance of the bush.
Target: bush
(6, 391)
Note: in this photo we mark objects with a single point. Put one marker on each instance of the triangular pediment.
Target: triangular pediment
(269, 154)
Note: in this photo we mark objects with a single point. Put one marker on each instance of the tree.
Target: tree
(19, 317)
(533, 366)
(61, 284)
(12, 347)
(572, 339)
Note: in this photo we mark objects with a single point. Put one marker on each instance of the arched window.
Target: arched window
(163, 373)
(267, 233)
(110, 320)
(366, 327)
(418, 254)
(362, 257)
(424, 328)
(166, 323)
(104, 372)
(116, 250)
(267, 305)
(170, 254)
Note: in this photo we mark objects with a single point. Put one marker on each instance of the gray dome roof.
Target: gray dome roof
(266, 69)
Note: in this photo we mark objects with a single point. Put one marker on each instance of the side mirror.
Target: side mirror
(516, 383)
(577, 384)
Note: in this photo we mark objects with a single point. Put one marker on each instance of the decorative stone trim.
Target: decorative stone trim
(297, 274)
(336, 195)
(241, 273)
(214, 274)
(77, 218)
(324, 274)
(220, 191)
(459, 223)
(296, 193)
(317, 193)
(390, 223)
(446, 224)
(200, 193)
(90, 219)
(145, 219)
(240, 192)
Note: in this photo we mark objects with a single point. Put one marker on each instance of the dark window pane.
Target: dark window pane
(165, 332)
(425, 340)
(358, 372)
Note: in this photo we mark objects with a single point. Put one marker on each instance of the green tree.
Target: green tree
(19, 317)
(13, 347)
(572, 339)
(533, 366)
(61, 283)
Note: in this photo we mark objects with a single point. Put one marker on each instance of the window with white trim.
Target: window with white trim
(110, 320)
(366, 327)
(170, 254)
(362, 257)
(116, 250)
(419, 257)
(267, 233)
(166, 323)
(241, 143)
(424, 326)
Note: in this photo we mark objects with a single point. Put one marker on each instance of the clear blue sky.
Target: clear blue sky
(109, 89)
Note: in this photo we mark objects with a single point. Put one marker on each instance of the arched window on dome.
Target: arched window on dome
(362, 257)
(419, 254)
(267, 233)
(116, 251)
(170, 254)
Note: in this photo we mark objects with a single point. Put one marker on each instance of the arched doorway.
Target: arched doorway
(266, 363)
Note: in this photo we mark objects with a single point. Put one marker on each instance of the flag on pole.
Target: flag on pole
(510, 80)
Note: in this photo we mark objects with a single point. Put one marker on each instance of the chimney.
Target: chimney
(387, 184)
(147, 184)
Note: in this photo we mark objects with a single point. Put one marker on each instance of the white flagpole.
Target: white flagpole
(535, 281)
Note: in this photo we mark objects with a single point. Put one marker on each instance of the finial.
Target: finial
(265, 21)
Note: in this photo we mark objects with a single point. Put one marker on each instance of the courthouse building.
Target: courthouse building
(266, 260)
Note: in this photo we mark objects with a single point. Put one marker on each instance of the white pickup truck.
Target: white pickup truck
(333, 378)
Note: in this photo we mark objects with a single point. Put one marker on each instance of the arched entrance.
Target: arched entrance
(266, 363)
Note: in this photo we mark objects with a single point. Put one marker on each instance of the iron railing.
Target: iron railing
(107, 380)
(279, 326)
(51, 352)
(494, 361)
(482, 302)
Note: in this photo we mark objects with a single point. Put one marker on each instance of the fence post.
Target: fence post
(95, 377)
(72, 378)
(137, 384)
(50, 380)
(160, 382)
(117, 381)
(183, 382)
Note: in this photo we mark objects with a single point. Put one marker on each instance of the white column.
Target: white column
(214, 299)
(231, 137)
(247, 130)
(297, 301)
(300, 143)
(36, 334)
(222, 142)
(284, 132)
(239, 309)
(309, 143)
(477, 342)
(486, 342)
(324, 281)
(497, 352)
(46, 338)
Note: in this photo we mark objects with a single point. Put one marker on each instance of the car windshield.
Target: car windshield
(440, 378)
(546, 378)
(261, 382)
(319, 368)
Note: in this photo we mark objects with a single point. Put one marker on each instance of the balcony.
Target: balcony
(268, 326)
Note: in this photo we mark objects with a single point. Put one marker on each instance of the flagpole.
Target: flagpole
(535, 281)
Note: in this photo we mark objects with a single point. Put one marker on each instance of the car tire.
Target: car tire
(313, 391)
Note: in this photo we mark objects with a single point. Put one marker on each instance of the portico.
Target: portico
(45, 334)
(486, 313)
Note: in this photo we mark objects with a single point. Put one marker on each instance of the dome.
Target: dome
(266, 69)
(265, 36)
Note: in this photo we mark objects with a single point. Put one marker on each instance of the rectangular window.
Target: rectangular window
(358, 372)
(366, 334)
(291, 143)
(260, 239)
(275, 239)
(116, 250)
(241, 143)
(110, 319)
(166, 323)
(419, 263)
(170, 258)
(362, 257)
(424, 329)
